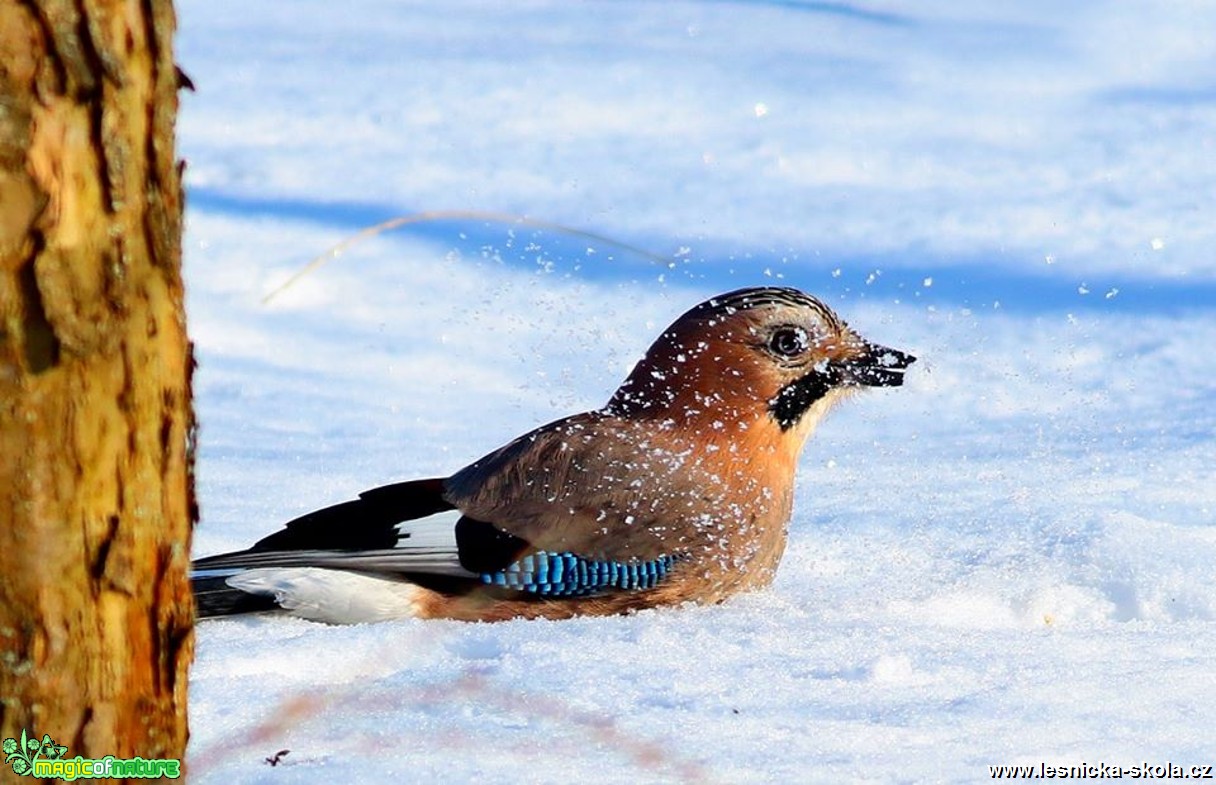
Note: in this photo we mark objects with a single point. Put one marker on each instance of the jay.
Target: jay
(678, 490)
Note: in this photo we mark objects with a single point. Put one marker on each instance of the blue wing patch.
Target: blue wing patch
(568, 575)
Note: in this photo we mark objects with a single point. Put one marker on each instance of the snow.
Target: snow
(1008, 560)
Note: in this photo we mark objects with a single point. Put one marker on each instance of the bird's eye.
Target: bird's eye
(788, 342)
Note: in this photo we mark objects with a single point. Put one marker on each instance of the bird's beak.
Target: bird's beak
(876, 366)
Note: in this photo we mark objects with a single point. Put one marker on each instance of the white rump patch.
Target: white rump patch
(332, 596)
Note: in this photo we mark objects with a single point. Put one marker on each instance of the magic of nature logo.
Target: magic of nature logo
(32, 757)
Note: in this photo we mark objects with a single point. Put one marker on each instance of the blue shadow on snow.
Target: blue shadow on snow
(977, 283)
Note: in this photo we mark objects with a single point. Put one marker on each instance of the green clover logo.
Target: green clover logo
(22, 754)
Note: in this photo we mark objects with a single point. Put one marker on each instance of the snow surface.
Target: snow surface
(1009, 560)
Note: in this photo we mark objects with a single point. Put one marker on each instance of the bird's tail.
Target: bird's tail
(392, 533)
(328, 585)
(214, 597)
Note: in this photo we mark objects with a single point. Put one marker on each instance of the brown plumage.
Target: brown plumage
(692, 459)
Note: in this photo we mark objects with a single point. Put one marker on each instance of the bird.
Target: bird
(677, 491)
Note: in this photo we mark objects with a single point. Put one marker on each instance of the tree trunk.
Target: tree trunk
(96, 424)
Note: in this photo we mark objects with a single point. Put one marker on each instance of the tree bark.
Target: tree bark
(96, 423)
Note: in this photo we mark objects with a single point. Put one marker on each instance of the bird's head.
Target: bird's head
(768, 355)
